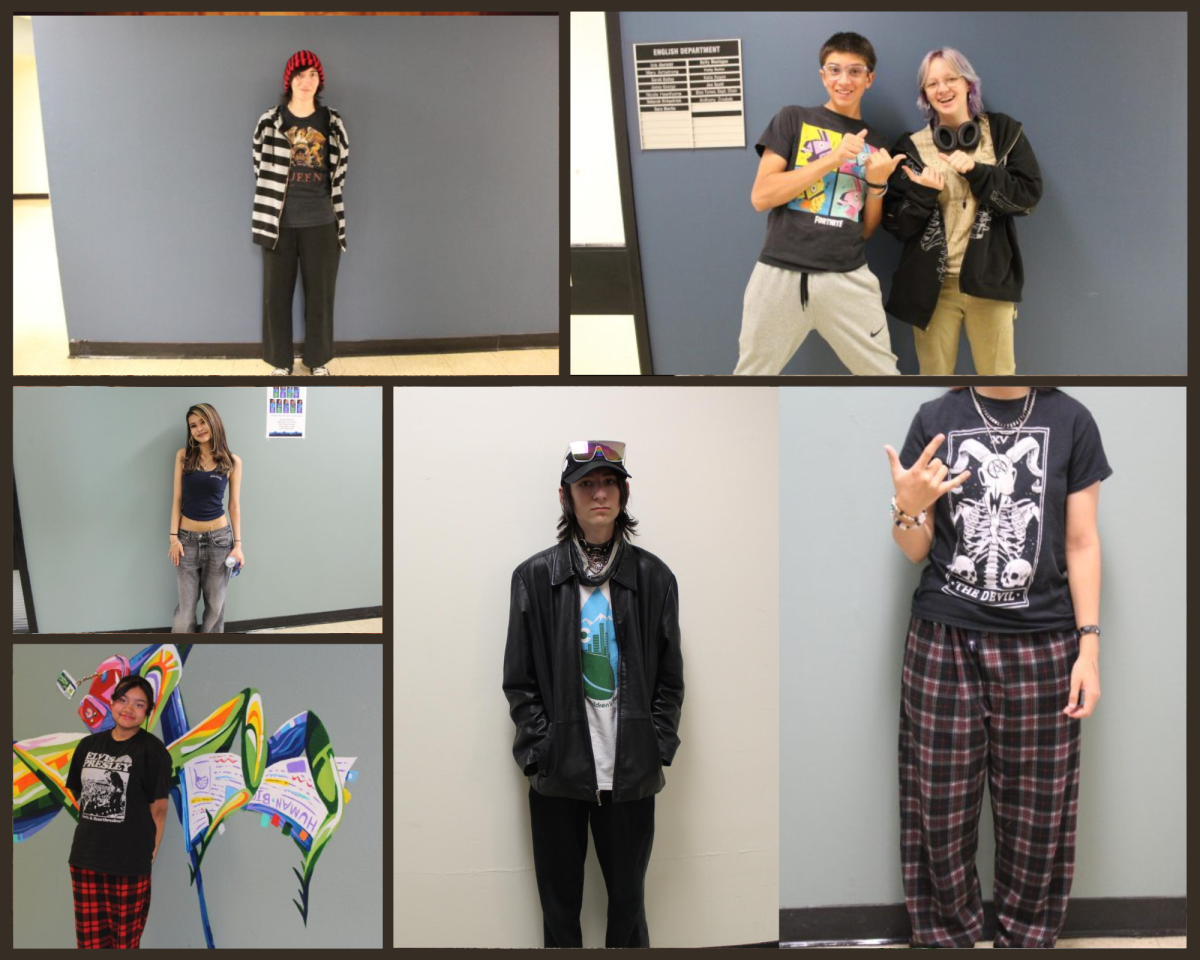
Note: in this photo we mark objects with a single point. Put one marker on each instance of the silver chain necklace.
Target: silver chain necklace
(991, 423)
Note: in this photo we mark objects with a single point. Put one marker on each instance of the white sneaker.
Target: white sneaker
(321, 372)
(280, 372)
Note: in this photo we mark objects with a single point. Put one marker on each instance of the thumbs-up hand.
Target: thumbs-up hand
(851, 146)
(881, 165)
(961, 162)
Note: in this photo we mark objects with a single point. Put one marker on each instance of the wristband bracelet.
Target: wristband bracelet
(897, 512)
(1090, 628)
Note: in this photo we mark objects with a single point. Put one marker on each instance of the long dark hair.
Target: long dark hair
(568, 525)
(286, 98)
(221, 454)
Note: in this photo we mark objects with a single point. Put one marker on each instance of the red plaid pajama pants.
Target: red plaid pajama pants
(110, 911)
(984, 706)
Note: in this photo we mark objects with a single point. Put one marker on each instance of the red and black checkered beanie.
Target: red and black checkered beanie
(301, 60)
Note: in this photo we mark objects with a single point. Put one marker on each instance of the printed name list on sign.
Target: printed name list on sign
(285, 412)
(690, 94)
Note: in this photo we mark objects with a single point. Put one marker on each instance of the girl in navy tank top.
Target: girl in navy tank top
(202, 534)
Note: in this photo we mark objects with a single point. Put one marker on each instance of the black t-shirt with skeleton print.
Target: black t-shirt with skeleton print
(998, 560)
(115, 781)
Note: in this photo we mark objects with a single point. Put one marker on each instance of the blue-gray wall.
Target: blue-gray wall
(248, 879)
(847, 591)
(1103, 98)
(451, 195)
(93, 468)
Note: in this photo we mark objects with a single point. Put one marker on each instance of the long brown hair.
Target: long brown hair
(221, 454)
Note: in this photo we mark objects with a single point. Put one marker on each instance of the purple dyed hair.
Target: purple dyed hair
(965, 70)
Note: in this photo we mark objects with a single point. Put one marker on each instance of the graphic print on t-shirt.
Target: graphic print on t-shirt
(105, 785)
(840, 193)
(997, 515)
(599, 649)
(308, 162)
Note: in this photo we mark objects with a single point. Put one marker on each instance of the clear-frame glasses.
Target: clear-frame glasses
(855, 71)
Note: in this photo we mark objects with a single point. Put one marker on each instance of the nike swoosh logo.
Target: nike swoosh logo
(877, 331)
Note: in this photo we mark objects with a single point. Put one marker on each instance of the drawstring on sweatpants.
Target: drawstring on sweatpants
(803, 289)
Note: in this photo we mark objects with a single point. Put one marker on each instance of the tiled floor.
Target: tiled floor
(40, 331)
(352, 626)
(603, 345)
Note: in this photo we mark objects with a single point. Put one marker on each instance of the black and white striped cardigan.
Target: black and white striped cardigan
(272, 157)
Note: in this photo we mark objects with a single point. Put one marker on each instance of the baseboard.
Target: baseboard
(348, 348)
(31, 196)
(297, 620)
(888, 922)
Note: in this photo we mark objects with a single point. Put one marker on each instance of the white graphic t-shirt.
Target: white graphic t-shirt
(600, 660)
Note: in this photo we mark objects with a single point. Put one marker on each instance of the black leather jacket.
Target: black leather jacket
(543, 675)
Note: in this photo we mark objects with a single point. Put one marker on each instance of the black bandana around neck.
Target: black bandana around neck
(595, 563)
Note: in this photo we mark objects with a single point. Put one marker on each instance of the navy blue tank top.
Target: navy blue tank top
(203, 491)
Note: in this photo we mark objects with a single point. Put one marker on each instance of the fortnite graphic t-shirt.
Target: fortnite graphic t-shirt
(600, 661)
(308, 202)
(115, 781)
(820, 230)
(998, 560)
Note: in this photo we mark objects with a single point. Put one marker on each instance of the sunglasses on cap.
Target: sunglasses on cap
(581, 451)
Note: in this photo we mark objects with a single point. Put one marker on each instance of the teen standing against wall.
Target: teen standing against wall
(119, 778)
(998, 487)
(593, 674)
(300, 154)
(969, 173)
(202, 536)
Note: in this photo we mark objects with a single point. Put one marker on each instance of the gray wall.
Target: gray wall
(1105, 289)
(248, 879)
(451, 196)
(93, 468)
(847, 588)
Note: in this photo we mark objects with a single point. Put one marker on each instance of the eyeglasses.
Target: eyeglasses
(835, 70)
(948, 81)
(584, 450)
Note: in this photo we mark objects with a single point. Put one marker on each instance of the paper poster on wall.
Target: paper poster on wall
(690, 94)
(286, 412)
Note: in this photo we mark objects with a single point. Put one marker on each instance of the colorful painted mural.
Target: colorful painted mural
(292, 779)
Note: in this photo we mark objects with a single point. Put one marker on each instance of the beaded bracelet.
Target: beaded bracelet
(903, 520)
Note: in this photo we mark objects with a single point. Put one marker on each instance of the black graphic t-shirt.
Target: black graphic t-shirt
(998, 560)
(115, 782)
(821, 230)
(308, 202)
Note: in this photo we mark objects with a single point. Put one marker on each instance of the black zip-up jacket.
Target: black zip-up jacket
(543, 675)
(991, 266)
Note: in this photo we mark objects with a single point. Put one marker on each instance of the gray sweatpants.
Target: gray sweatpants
(844, 308)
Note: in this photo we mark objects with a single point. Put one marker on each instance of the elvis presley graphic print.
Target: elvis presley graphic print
(998, 515)
(105, 787)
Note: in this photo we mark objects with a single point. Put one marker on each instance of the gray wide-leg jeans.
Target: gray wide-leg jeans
(202, 570)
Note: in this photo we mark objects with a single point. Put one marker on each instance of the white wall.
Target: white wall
(595, 196)
(29, 147)
(475, 494)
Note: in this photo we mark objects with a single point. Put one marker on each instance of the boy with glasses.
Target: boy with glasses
(822, 176)
(593, 674)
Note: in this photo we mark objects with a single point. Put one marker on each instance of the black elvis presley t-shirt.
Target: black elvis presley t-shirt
(115, 781)
(998, 560)
(820, 230)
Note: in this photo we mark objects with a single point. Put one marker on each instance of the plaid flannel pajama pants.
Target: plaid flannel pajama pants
(978, 706)
(110, 911)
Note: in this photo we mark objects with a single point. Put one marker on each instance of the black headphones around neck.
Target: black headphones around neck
(965, 137)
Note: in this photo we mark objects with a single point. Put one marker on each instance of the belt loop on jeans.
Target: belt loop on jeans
(803, 289)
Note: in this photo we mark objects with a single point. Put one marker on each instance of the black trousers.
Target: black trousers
(316, 251)
(624, 834)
